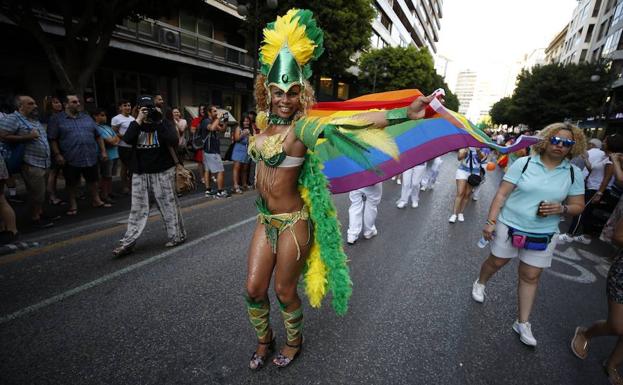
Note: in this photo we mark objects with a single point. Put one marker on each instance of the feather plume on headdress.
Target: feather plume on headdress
(290, 44)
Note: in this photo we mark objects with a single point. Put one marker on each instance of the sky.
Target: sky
(489, 36)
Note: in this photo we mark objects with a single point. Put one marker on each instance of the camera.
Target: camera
(225, 117)
(153, 115)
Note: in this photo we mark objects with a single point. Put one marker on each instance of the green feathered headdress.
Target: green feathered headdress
(290, 44)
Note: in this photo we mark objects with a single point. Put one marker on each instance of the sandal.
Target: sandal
(71, 212)
(579, 343)
(56, 202)
(613, 374)
(257, 361)
(102, 205)
(281, 361)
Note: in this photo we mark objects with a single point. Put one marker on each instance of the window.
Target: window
(342, 91)
(583, 55)
(199, 26)
(596, 8)
(326, 86)
(589, 33)
(602, 28)
(618, 14)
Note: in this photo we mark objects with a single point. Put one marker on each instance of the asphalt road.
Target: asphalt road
(70, 314)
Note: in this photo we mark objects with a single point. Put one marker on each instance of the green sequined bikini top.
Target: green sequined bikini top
(272, 152)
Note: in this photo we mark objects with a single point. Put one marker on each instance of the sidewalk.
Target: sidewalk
(85, 210)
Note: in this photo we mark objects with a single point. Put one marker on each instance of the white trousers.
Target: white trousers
(432, 171)
(411, 180)
(162, 188)
(363, 214)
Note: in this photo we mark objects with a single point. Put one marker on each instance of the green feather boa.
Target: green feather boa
(327, 232)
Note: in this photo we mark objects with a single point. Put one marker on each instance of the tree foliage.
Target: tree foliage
(394, 68)
(346, 26)
(88, 28)
(553, 93)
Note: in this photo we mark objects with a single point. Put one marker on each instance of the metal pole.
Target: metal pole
(255, 28)
(374, 79)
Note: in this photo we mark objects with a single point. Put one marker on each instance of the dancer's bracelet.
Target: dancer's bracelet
(397, 115)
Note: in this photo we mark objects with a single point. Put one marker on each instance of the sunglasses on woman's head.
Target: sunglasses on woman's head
(556, 140)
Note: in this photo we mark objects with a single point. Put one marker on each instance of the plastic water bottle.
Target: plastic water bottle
(482, 242)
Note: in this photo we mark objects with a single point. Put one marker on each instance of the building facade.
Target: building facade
(588, 31)
(407, 22)
(555, 47)
(190, 58)
(465, 89)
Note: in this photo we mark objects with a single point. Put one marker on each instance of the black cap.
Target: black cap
(145, 101)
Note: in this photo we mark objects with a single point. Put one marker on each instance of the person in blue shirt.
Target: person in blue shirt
(108, 167)
(525, 213)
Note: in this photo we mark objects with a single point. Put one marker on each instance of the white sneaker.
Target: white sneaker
(461, 218)
(565, 238)
(401, 204)
(414, 205)
(423, 188)
(351, 240)
(525, 333)
(583, 239)
(398, 181)
(478, 292)
(452, 218)
(474, 197)
(370, 235)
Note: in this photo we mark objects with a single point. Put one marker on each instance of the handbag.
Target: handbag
(529, 241)
(473, 179)
(229, 151)
(184, 178)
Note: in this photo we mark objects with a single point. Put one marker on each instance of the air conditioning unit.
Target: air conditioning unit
(169, 37)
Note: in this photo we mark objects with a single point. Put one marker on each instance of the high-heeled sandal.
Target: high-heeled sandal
(281, 361)
(613, 374)
(257, 361)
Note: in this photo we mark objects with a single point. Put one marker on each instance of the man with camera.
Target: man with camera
(152, 138)
(212, 162)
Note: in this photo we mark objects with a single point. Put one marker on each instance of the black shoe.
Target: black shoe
(123, 250)
(42, 223)
(7, 237)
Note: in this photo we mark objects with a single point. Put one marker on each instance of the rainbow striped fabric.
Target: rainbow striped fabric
(418, 141)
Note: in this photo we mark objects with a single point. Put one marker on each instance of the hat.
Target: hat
(290, 44)
(145, 101)
(595, 142)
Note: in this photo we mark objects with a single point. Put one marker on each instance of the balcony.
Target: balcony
(155, 38)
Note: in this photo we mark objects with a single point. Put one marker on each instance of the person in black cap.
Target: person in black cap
(153, 171)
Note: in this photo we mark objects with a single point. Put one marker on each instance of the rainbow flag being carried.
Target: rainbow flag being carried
(418, 141)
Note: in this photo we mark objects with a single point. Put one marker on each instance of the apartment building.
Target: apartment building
(189, 58)
(588, 31)
(555, 47)
(407, 22)
(465, 88)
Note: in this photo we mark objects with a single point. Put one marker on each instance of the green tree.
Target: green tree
(555, 92)
(88, 27)
(501, 112)
(346, 26)
(394, 68)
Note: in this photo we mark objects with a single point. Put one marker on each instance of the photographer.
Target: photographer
(212, 162)
(151, 138)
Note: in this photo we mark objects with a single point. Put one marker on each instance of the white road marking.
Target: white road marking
(118, 273)
(570, 255)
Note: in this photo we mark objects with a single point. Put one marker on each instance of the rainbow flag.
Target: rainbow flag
(418, 141)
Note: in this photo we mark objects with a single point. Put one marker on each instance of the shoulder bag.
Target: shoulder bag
(473, 179)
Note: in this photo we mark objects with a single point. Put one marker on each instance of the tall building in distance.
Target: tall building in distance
(465, 88)
(407, 22)
(554, 49)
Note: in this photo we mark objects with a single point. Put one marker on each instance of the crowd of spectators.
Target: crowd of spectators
(62, 141)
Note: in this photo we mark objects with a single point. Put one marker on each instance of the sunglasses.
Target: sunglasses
(556, 140)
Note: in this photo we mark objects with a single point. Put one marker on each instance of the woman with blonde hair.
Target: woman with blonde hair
(524, 215)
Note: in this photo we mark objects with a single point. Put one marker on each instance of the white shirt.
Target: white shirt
(122, 122)
(598, 160)
(499, 139)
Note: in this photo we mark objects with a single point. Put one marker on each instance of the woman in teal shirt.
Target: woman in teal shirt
(525, 213)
